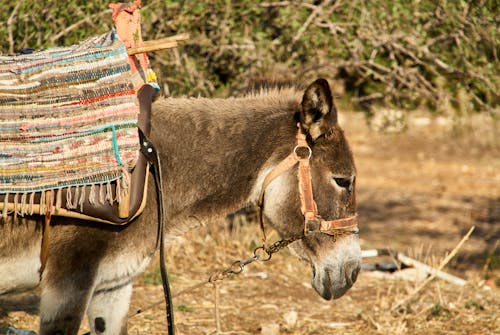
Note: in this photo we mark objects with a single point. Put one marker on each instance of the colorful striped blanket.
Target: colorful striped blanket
(68, 119)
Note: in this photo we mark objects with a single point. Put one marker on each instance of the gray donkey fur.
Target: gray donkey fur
(215, 155)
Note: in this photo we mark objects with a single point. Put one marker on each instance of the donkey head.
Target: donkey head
(335, 259)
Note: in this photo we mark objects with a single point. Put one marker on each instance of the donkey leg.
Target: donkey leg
(67, 282)
(63, 305)
(107, 312)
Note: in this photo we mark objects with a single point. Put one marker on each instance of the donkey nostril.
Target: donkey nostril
(351, 272)
(354, 274)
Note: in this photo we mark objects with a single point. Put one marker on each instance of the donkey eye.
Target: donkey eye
(343, 182)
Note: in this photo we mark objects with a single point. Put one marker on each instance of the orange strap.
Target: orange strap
(312, 221)
(308, 205)
(278, 170)
(345, 223)
(127, 19)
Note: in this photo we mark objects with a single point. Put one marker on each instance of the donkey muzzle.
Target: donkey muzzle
(332, 282)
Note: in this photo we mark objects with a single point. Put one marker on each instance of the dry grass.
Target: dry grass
(266, 293)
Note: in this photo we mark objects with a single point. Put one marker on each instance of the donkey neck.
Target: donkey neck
(213, 150)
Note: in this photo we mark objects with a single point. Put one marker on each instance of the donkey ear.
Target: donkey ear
(318, 112)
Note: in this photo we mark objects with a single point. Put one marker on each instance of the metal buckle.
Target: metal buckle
(297, 156)
(312, 226)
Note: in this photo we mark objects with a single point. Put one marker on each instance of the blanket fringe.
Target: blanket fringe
(5, 207)
(24, 203)
(41, 209)
(58, 198)
(32, 203)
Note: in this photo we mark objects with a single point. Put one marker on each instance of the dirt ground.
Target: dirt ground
(419, 192)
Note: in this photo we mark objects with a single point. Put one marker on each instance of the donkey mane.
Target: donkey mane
(263, 97)
(269, 84)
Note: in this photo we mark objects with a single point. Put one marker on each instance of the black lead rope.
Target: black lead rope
(149, 151)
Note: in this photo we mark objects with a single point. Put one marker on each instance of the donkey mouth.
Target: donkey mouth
(333, 282)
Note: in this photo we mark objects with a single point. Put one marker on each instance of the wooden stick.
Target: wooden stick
(160, 44)
(156, 47)
(397, 256)
(175, 38)
(430, 270)
(433, 276)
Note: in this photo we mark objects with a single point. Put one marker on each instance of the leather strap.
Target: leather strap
(312, 220)
(152, 157)
(308, 205)
(278, 170)
(283, 166)
(333, 226)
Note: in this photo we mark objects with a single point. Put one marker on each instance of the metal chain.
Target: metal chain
(261, 254)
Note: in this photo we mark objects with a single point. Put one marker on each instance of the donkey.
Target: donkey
(216, 154)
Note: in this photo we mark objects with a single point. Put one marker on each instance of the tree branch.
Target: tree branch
(10, 22)
(78, 24)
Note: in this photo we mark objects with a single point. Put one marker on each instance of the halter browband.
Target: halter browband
(312, 221)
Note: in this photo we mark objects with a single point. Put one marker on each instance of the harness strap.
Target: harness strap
(149, 151)
(312, 221)
(332, 226)
(307, 203)
(282, 167)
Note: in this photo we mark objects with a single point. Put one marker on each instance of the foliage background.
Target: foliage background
(436, 55)
(439, 55)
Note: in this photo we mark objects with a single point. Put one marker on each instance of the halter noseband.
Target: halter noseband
(312, 220)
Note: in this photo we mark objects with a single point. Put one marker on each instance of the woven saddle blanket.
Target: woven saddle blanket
(68, 125)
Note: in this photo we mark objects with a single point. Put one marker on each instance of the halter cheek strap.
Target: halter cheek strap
(312, 221)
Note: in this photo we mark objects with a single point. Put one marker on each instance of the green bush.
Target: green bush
(437, 54)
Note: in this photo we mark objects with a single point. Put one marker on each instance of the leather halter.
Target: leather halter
(312, 220)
